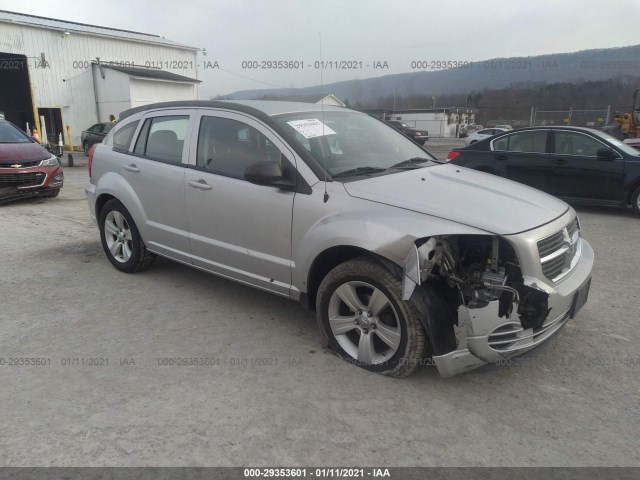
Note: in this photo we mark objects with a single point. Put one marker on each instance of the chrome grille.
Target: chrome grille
(558, 251)
(23, 164)
(511, 337)
(30, 179)
(504, 336)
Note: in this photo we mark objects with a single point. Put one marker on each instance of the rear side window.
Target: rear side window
(122, 138)
(526, 142)
(162, 138)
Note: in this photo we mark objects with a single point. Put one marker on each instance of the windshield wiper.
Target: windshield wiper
(359, 171)
(412, 162)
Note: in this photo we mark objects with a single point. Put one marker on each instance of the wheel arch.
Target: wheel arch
(112, 186)
(632, 188)
(330, 258)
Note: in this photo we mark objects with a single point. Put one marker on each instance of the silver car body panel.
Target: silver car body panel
(269, 238)
(463, 195)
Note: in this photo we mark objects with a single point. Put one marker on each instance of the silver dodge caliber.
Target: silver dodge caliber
(405, 260)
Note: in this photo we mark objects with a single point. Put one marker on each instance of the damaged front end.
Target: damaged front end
(497, 311)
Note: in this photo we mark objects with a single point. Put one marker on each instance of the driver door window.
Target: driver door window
(226, 147)
(577, 144)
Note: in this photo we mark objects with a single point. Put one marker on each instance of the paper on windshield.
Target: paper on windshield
(311, 128)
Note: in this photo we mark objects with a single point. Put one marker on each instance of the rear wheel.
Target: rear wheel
(121, 239)
(635, 201)
(362, 316)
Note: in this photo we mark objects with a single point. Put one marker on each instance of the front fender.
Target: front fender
(386, 231)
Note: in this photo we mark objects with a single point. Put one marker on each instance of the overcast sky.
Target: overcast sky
(396, 32)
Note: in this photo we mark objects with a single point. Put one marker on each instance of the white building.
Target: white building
(439, 122)
(74, 75)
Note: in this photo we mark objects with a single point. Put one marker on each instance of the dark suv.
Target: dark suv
(418, 136)
(94, 134)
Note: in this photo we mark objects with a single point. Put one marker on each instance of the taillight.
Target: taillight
(452, 155)
(91, 150)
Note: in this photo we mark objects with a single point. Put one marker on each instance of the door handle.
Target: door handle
(201, 184)
(131, 168)
(559, 161)
(502, 158)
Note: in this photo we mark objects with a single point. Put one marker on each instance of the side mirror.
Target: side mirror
(267, 173)
(606, 153)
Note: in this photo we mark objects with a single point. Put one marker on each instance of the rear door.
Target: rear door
(578, 173)
(238, 229)
(522, 157)
(155, 168)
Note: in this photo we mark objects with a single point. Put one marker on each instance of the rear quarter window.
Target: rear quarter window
(123, 136)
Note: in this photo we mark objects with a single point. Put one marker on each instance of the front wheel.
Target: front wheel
(635, 201)
(362, 316)
(121, 239)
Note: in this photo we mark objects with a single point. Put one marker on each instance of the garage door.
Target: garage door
(144, 92)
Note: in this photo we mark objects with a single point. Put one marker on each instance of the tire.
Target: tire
(85, 148)
(389, 339)
(121, 239)
(635, 201)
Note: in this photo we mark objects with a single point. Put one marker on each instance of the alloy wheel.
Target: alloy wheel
(118, 236)
(364, 322)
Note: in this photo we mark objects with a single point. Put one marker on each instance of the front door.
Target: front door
(238, 229)
(578, 173)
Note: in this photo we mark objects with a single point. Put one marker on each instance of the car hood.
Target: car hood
(12, 152)
(466, 196)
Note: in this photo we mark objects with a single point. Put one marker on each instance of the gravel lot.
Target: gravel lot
(575, 405)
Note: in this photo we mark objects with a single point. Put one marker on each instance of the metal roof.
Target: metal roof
(85, 28)
(150, 73)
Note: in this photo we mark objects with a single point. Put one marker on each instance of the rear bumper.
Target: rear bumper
(90, 191)
(491, 339)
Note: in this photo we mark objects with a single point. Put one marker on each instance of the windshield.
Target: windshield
(619, 144)
(347, 141)
(11, 134)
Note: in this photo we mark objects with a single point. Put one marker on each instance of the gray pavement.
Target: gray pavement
(270, 396)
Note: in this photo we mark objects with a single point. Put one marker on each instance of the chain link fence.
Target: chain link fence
(592, 118)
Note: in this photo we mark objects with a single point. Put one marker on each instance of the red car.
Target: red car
(26, 168)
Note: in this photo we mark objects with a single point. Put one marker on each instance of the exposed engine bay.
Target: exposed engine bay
(477, 270)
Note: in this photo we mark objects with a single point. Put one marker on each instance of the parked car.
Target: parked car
(26, 168)
(392, 248)
(94, 134)
(417, 135)
(474, 137)
(504, 127)
(573, 163)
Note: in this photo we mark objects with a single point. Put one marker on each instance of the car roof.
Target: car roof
(553, 127)
(267, 107)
